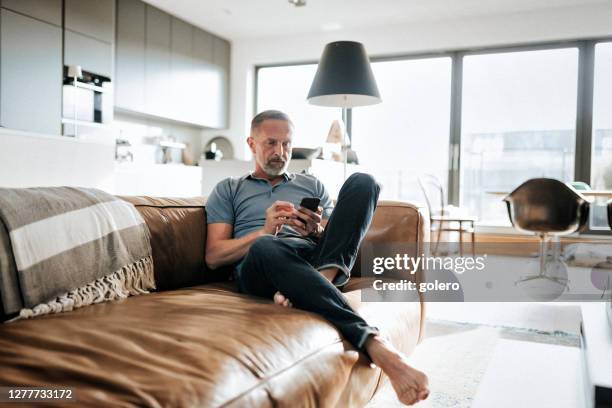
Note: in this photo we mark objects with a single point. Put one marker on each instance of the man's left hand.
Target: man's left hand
(308, 222)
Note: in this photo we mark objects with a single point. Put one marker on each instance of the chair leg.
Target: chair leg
(435, 251)
(543, 252)
(561, 281)
(544, 240)
(473, 236)
(460, 238)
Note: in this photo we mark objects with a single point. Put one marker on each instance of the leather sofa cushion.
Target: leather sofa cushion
(178, 239)
(200, 346)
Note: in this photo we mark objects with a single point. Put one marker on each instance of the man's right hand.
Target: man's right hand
(278, 214)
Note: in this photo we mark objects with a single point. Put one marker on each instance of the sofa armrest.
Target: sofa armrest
(397, 225)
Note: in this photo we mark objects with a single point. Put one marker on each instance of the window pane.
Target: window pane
(285, 89)
(408, 133)
(518, 122)
(601, 155)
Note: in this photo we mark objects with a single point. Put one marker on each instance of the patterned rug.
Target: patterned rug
(455, 357)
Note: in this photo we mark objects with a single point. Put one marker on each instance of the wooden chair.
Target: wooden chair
(441, 217)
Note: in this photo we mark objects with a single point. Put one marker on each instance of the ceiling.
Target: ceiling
(237, 19)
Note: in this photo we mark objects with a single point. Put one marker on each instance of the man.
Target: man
(294, 255)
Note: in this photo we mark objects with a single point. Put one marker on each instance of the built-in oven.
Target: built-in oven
(87, 101)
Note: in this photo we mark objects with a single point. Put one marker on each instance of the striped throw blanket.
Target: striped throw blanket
(71, 247)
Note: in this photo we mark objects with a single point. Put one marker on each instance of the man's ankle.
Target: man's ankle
(377, 347)
(372, 344)
(330, 273)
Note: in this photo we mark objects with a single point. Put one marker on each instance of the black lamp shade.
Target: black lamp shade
(344, 77)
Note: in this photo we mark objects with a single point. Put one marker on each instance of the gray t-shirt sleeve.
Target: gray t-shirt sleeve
(326, 202)
(219, 207)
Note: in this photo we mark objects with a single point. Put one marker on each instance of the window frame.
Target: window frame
(584, 103)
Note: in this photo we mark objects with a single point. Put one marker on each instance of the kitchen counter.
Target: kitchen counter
(33, 159)
(38, 160)
(107, 140)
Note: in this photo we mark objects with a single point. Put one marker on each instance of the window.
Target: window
(518, 122)
(406, 135)
(285, 88)
(601, 152)
(513, 118)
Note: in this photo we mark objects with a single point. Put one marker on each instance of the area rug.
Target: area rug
(542, 316)
(455, 357)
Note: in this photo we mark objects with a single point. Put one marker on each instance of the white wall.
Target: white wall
(520, 28)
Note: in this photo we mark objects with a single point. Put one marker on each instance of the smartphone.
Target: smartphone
(312, 203)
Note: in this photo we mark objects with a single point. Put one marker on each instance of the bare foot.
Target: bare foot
(410, 385)
(280, 299)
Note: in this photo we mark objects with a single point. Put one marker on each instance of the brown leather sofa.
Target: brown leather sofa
(196, 342)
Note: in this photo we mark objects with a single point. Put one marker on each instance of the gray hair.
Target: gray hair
(270, 114)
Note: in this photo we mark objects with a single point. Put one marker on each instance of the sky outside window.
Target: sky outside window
(518, 122)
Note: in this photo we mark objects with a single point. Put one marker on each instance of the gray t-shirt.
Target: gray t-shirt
(242, 202)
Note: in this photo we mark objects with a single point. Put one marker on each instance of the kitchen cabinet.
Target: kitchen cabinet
(49, 11)
(203, 46)
(181, 67)
(157, 63)
(89, 35)
(168, 68)
(221, 58)
(30, 74)
(93, 18)
(130, 56)
(91, 54)
(204, 79)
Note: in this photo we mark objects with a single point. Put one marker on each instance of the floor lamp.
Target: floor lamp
(344, 79)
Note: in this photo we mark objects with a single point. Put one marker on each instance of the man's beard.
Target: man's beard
(274, 168)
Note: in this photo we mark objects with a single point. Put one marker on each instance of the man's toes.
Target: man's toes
(420, 380)
(424, 383)
(408, 397)
(423, 394)
(279, 298)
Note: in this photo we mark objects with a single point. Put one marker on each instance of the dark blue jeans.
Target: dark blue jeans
(290, 264)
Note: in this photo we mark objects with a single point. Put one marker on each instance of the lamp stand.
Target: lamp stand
(346, 119)
(344, 79)
(344, 146)
(76, 96)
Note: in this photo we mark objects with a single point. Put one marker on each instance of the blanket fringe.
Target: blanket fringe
(131, 280)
